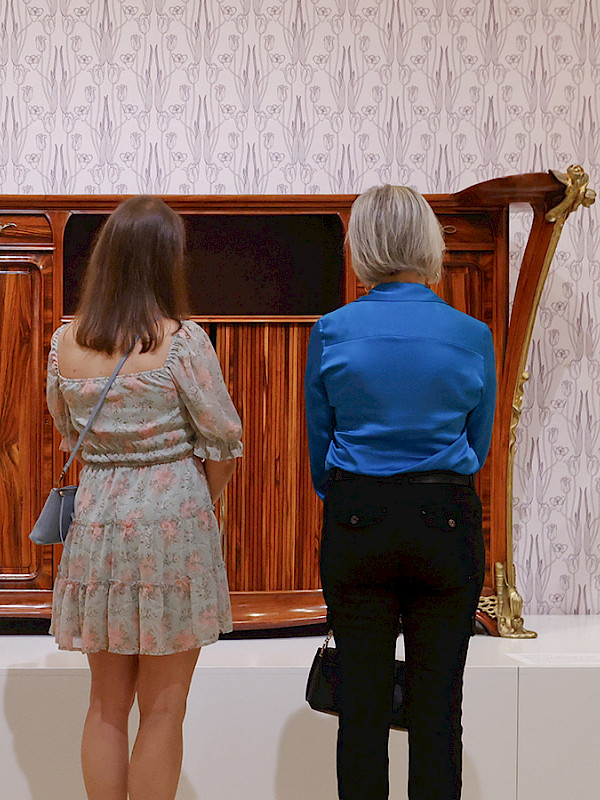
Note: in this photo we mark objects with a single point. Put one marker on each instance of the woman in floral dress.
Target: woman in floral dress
(141, 586)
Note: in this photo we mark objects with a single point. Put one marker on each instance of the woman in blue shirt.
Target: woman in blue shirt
(400, 394)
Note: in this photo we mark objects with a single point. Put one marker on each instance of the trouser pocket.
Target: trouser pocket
(449, 543)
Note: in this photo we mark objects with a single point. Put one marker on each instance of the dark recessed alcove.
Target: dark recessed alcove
(79, 237)
(241, 264)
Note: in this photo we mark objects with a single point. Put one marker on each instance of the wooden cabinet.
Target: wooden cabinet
(25, 429)
(262, 270)
(24, 229)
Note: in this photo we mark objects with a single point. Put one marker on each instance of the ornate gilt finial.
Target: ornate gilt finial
(577, 192)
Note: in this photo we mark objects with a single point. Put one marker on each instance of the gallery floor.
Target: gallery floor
(531, 719)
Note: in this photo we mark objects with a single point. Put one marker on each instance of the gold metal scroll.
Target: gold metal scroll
(510, 602)
(577, 194)
(510, 606)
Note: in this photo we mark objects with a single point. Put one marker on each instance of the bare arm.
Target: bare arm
(218, 475)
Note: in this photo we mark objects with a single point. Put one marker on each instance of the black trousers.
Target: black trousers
(410, 550)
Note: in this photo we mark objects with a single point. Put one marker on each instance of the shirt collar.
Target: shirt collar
(399, 292)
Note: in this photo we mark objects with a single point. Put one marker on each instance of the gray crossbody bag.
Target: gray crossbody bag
(53, 523)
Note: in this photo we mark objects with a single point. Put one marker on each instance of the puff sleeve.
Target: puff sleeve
(56, 402)
(197, 375)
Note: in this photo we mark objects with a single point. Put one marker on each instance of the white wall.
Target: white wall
(273, 96)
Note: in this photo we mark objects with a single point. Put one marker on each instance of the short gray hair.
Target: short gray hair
(393, 229)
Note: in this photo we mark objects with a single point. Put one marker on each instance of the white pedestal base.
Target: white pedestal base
(531, 720)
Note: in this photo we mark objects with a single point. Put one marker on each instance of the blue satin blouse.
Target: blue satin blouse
(399, 381)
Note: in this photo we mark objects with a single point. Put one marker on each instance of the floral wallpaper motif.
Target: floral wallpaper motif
(310, 96)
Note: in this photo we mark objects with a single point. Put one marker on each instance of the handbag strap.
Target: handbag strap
(95, 413)
(325, 644)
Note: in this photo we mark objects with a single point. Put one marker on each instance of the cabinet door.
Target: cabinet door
(25, 432)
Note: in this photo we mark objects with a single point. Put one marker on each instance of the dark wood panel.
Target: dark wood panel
(475, 230)
(16, 301)
(24, 438)
(24, 229)
(465, 285)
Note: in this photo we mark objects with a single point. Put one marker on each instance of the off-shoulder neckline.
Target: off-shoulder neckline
(169, 357)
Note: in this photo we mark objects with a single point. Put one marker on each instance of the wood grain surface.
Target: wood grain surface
(270, 516)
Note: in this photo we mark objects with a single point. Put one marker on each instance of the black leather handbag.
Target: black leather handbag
(324, 679)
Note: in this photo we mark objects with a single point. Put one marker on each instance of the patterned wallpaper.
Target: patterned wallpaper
(308, 96)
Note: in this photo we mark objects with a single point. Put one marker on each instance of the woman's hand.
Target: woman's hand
(218, 475)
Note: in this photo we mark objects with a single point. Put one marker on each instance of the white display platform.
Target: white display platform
(531, 719)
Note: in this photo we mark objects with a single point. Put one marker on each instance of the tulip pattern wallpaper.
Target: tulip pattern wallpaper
(320, 96)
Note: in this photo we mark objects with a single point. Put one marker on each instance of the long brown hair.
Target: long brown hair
(134, 278)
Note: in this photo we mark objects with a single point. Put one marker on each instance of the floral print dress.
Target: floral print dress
(142, 570)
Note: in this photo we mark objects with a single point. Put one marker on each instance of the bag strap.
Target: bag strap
(95, 412)
(325, 644)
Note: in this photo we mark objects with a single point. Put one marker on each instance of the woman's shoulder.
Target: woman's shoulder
(61, 335)
(190, 339)
(60, 331)
(469, 324)
(462, 330)
(192, 332)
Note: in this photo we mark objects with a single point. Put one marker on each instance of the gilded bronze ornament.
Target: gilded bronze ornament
(510, 606)
(509, 601)
(577, 193)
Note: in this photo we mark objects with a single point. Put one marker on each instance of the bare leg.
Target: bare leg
(163, 685)
(104, 745)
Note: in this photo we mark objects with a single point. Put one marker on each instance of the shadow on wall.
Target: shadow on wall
(42, 719)
(185, 790)
(306, 761)
(45, 718)
(306, 758)
(472, 789)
